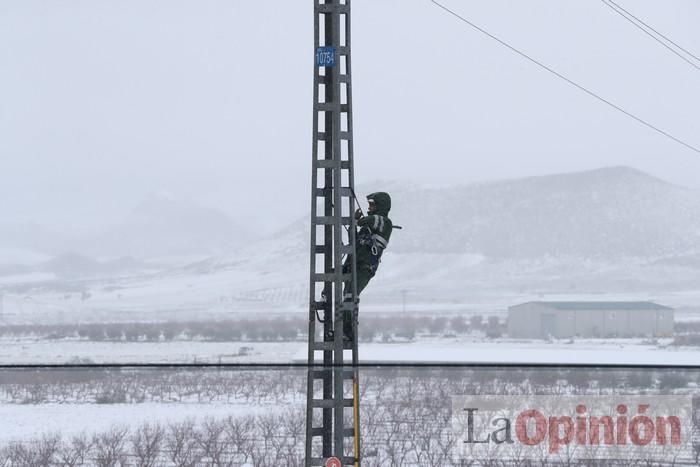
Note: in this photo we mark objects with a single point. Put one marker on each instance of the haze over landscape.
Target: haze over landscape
(615, 231)
(155, 179)
(160, 177)
(99, 112)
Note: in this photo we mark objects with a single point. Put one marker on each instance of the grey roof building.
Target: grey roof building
(540, 320)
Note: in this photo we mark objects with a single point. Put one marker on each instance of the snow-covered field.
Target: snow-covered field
(34, 420)
(404, 413)
(423, 350)
(29, 351)
(591, 353)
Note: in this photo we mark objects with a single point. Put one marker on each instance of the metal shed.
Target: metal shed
(540, 320)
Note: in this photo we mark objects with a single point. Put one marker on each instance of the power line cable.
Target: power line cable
(628, 16)
(655, 31)
(559, 75)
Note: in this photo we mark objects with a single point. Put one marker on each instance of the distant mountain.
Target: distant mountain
(163, 226)
(605, 213)
(159, 227)
(73, 265)
(594, 229)
(612, 229)
(28, 242)
(602, 214)
(608, 231)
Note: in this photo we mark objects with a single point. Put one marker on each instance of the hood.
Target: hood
(382, 202)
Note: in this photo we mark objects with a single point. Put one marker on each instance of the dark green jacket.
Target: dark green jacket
(376, 226)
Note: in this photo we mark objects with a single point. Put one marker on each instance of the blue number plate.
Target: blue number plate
(325, 57)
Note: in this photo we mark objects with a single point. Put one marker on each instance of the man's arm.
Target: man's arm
(374, 222)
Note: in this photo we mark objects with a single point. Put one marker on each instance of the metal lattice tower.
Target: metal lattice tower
(332, 418)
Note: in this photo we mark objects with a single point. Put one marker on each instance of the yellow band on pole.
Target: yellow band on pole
(356, 416)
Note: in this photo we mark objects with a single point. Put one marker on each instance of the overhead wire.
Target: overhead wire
(654, 30)
(638, 24)
(573, 83)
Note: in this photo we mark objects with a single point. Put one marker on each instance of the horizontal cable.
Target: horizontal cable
(348, 365)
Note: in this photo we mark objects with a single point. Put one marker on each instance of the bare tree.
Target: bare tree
(293, 425)
(109, 448)
(146, 443)
(19, 454)
(46, 450)
(268, 426)
(5, 457)
(75, 453)
(240, 434)
(213, 442)
(41, 453)
(425, 438)
(182, 443)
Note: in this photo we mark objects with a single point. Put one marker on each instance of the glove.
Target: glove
(358, 214)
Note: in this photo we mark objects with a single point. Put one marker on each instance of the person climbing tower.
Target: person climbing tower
(373, 233)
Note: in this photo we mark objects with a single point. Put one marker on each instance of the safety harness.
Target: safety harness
(376, 243)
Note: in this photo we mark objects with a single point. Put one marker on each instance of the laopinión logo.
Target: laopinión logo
(566, 428)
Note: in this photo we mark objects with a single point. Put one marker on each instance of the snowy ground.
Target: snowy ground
(425, 350)
(526, 353)
(29, 351)
(254, 284)
(33, 420)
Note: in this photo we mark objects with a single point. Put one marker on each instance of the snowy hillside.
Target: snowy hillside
(601, 215)
(160, 226)
(615, 232)
(164, 226)
(612, 230)
(607, 214)
(25, 243)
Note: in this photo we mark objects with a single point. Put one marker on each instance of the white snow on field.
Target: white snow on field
(592, 352)
(28, 351)
(532, 354)
(23, 422)
(427, 350)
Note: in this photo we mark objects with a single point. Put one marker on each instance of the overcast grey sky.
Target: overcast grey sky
(103, 102)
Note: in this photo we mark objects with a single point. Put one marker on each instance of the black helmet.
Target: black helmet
(381, 202)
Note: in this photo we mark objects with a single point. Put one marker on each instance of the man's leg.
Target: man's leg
(364, 274)
(363, 277)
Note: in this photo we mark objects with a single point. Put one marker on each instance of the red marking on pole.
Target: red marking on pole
(333, 462)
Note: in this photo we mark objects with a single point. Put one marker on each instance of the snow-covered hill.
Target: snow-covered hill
(612, 232)
(160, 226)
(606, 214)
(164, 226)
(28, 243)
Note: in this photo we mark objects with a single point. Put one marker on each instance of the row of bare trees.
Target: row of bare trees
(396, 432)
(260, 329)
(262, 440)
(405, 416)
(137, 386)
(279, 385)
(281, 328)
